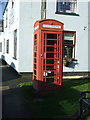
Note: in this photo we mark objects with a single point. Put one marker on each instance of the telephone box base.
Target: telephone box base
(44, 87)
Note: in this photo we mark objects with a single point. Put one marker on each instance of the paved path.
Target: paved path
(14, 104)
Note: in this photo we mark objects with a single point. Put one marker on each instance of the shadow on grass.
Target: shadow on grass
(63, 102)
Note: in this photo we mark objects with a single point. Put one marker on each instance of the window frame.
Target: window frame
(4, 46)
(74, 44)
(6, 18)
(15, 45)
(65, 13)
(7, 46)
(0, 46)
(12, 3)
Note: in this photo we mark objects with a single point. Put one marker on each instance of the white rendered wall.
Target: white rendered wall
(89, 36)
(74, 23)
(9, 35)
(1, 39)
(29, 13)
(26, 13)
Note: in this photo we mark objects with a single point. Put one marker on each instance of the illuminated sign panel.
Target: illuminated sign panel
(51, 26)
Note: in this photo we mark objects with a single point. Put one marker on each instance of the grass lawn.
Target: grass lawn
(63, 102)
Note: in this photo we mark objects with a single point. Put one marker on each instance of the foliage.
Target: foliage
(67, 61)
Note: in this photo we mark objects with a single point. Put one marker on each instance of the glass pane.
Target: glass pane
(35, 48)
(34, 54)
(49, 80)
(50, 55)
(34, 60)
(50, 49)
(34, 66)
(49, 61)
(7, 46)
(50, 74)
(69, 6)
(68, 42)
(48, 67)
(69, 36)
(35, 72)
(0, 47)
(35, 36)
(15, 43)
(35, 42)
(68, 51)
(51, 36)
(51, 42)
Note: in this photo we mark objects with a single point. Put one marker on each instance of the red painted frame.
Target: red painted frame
(40, 57)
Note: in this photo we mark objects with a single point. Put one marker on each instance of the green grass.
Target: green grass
(63, 102)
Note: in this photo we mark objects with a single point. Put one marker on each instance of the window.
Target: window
(69, 44)
(12, 3)
(0, 46)
(66, 7)
(4, 46)
(15, 44)
(7, 47)
(6, 17)
(1, 25)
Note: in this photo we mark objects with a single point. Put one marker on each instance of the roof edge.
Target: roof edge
(48, 20)
(5, 7)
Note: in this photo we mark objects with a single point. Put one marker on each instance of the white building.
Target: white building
(1, 36)
(19, 19)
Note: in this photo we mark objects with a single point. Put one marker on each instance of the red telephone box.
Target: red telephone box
(47, 66)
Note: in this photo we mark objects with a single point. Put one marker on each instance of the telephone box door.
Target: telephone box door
(52, 57)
